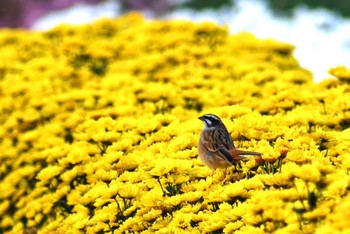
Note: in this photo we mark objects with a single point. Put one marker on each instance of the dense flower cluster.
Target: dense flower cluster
(99, 131)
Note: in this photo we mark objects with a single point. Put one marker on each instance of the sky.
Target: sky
(321, 38)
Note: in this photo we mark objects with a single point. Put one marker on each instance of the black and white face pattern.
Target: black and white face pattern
(210, 121)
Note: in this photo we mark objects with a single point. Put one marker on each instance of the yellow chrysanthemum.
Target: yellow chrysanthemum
(99, 132)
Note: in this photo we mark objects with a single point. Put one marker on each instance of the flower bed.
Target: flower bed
(99, 132)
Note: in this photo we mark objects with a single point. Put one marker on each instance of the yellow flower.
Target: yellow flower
(77, 154)
(101, 119)
(308, 173)
(76, 221)
(4, 206)
(337, 219)
(152, 214)
(93, 193)
(181, 220)
(7, 221)
(232, 227)
(135, 224)
(153, 198)
(338, 184)
(214, 223)
(299, 156)
(129, 191)
(341, 72)
(163, 167)
(49, 172)
(317, 213)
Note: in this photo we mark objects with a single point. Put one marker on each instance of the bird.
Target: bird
(216, 148)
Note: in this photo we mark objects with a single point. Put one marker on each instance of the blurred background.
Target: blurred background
(320, 29)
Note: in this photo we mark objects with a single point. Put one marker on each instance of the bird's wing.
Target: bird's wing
(222, 146)
(226, 155)
(252, 153)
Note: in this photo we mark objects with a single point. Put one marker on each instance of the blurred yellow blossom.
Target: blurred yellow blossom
(341, 72)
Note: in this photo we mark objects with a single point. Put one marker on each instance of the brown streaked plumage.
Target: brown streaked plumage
(215, 146)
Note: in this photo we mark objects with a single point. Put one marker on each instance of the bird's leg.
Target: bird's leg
(238, 164)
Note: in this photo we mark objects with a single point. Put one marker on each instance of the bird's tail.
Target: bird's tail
(247, 155)
(252, 153)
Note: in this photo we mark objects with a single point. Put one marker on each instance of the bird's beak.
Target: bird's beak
(201, 118)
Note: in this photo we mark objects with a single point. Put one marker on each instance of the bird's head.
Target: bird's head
(210, 121)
